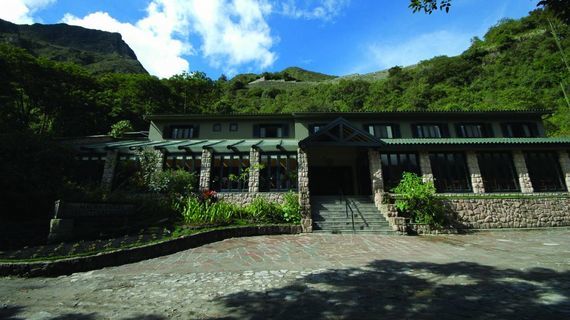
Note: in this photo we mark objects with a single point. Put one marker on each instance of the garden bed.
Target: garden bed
(90, 260)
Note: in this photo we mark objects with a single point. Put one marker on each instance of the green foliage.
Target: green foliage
(417, 199)
(120, 128)
(175, 182)
(291, 209)
(205, 210)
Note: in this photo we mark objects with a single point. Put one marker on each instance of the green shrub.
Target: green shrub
(417, 199)
(178, 182)
(206, 212)
(290, 208)
(262, 210)
(120, 128)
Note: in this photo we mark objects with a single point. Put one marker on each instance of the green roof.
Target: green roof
(477, 141)
(196, 146)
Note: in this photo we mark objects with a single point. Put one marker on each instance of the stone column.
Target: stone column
(425, 167)
(254, 156)
(522, 172)
(303, 185)
(376, 176)
(205, 170)
(109, 169)
(475, 172)
(565, 166)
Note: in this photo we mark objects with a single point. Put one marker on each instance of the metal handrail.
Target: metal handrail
(346, 208)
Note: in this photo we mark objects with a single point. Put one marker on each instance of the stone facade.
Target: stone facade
(475, 173)
(376, 176)
(254, 156)
(304, 196)
(425, 167)
(522, 172)
(564, 158)
(245, 198)
(109, 169)
(489, 213)
(205, 170)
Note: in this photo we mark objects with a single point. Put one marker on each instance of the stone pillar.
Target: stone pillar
(109, 170)
(475, 172)
(304, 197)
(425, 167)
(205, 170)
(564, 159)
(522, 172)
(254, 156)
(376, 176)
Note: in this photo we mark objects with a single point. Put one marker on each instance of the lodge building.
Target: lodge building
(493, 161)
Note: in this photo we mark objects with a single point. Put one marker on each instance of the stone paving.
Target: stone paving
(499, 275)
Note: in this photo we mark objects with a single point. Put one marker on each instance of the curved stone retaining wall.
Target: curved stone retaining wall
(119, 257)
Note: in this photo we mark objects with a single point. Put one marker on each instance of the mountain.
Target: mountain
(97, 51)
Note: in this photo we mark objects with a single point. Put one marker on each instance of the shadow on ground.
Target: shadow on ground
(398, 290)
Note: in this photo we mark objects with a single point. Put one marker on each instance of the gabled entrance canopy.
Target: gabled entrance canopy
(340, 133)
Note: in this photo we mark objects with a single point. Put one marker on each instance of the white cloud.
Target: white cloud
(233, 33)
(412, 51)
(21, 11)
(312, 9)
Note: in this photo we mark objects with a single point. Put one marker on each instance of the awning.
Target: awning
(478, 141)
(196, 146)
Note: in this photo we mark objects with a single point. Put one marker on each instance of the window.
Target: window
(450, 172)
(89, 168)
(474, 130)
(520, 130)
(271, 131)
(387, 131)
(315, 127)
(127, 168)
(233, 126)
(217, 127)
(428, 130)
(188, 162)
(498, 172)
(229, 172)
(278, 172)
(544, 171)
(394, 164)
(183, 132)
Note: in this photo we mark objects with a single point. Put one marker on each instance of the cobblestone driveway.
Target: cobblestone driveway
(501, 275)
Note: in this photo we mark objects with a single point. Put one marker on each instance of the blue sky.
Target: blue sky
(336, 37)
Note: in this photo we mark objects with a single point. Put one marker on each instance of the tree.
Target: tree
(560, 8)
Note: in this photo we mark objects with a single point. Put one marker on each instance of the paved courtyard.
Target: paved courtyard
(500, 275)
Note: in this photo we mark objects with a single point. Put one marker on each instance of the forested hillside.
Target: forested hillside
(517, 65)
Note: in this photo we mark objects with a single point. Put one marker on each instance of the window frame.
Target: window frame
(446, 175)
(559, 179)
(489, 171)
(394, 127)
(266, 172)
(258, 128)
(233, 127)
(531, 127)
(194, 131)
(389, 168)
(442, 127)
(217, 127)
(242, 186)
(485, 128)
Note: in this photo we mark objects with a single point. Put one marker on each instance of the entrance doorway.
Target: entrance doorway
(335, 170)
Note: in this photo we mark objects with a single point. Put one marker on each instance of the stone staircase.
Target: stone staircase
(329, 215)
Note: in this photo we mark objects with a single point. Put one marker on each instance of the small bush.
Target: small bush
(196, 211)
(179, 182)
(120, 128)
(417, 199)
(262, 210)
(290, 209)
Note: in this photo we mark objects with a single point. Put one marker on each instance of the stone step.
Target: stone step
(370, 215)
(375, 232)
(360, 221)
(337, 207)
(330, 224)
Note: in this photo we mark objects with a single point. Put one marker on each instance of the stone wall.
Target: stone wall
(489, 213)
(245, 198)
(205, 170)
(304, 195)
